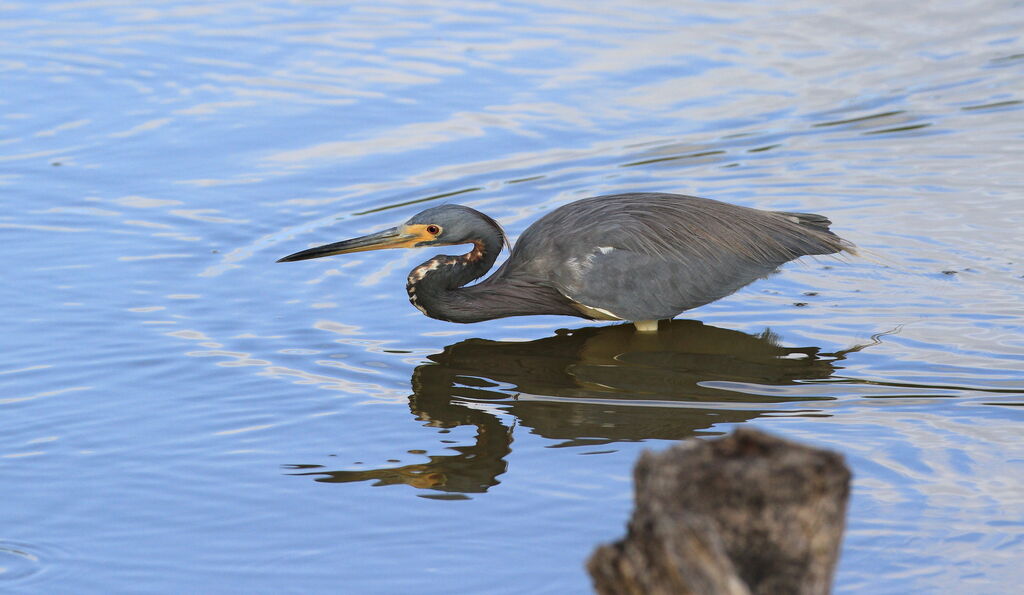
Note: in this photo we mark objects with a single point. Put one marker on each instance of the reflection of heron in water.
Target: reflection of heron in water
(593, 385)
(636, 257)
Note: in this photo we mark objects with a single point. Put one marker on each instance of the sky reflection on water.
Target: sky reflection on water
(173, 399)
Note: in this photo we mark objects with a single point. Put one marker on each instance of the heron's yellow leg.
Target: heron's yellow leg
(646, 326)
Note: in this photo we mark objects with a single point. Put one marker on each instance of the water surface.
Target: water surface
(182, 414)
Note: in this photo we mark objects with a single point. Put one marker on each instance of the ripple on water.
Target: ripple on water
(19, 562)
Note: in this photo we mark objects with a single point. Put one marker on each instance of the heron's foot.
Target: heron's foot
(646, 326)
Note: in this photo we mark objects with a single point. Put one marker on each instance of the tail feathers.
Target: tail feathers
(812, 220)
(821, 223)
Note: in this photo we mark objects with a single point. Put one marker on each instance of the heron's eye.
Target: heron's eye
(433, 230)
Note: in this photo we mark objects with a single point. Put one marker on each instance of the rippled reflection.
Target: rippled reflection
(592, 385)
(157, 157)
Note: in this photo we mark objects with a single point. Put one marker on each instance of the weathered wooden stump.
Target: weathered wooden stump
(747, 513)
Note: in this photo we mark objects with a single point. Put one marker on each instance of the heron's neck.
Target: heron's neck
(432, 285)
(437, 288)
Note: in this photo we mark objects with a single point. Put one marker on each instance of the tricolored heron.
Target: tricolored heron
(639, 257)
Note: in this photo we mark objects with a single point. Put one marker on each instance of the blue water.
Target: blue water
(179, 413)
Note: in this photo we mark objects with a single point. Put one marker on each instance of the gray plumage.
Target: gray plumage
(635, 257)
(669, 253)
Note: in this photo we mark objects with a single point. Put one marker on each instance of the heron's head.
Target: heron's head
(443, 225)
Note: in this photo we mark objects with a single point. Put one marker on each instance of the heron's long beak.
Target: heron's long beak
(396, 237)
